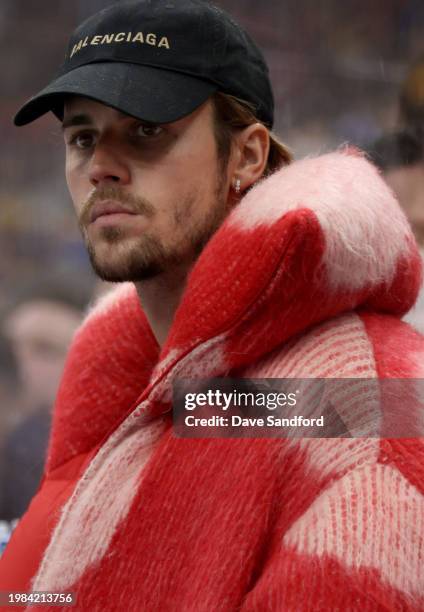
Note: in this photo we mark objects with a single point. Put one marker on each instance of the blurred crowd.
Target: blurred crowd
(39, 332)
(399, 154)
(342, 71)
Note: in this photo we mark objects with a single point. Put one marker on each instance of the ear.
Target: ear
(250, 155)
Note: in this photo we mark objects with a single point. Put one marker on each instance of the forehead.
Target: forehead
(85, 106)
(91, 110)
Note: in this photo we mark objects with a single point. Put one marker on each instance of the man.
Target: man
(405, 177)
(400, 156)
(40, 332)
(166, 111)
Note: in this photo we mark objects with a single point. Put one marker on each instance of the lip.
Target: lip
(109, 207)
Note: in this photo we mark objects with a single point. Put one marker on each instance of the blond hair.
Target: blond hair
(231, 114)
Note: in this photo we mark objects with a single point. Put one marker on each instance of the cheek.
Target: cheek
(76, 184)
(203, 155)
(196, 171)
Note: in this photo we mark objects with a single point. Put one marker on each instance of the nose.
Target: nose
(108, 165)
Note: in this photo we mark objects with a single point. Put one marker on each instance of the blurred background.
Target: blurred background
(350, 71)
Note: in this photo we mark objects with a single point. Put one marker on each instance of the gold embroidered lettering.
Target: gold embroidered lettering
(107, 38)
(138, 37)
(163, 42)
(102, 39)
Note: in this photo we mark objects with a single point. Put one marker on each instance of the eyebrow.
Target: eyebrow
(85, 119)
(73, 120)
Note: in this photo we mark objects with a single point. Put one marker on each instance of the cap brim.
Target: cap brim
(151, 94)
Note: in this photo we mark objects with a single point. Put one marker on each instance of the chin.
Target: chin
(116, 258)
(113, 275)
(132, 269)
(120, 262)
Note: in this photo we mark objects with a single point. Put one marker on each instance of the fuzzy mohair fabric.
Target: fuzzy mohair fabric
(308, 277)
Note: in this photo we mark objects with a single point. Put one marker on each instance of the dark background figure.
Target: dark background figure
(39, 332)
(400, 156)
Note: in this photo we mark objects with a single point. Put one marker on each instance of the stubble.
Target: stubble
(147, 256)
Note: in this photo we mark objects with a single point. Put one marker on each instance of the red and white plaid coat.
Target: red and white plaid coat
(308, 277)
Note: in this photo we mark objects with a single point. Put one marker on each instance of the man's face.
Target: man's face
(148, 197)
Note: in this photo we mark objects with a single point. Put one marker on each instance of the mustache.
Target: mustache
(114, 192)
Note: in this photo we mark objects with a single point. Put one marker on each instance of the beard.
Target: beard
(120, 258)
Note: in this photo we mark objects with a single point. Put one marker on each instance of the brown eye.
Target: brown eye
(83, 140)
(146, 130)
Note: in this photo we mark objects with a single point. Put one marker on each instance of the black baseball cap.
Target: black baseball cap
(157, 61)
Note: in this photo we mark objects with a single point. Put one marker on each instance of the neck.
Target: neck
(160, 297)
